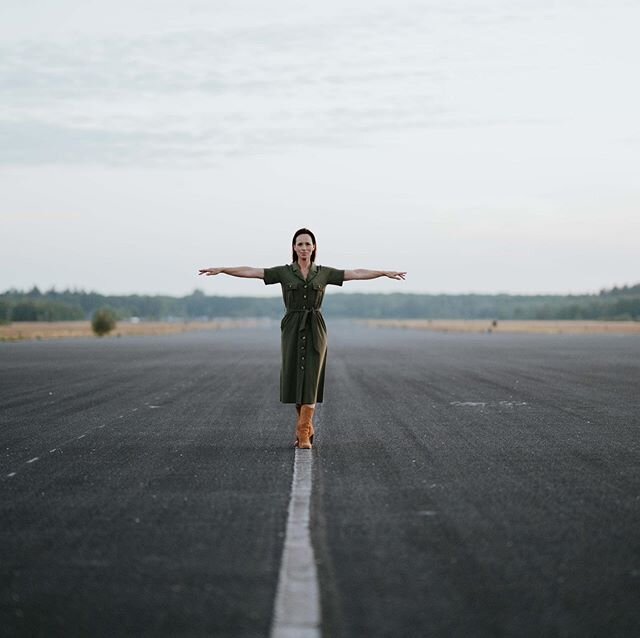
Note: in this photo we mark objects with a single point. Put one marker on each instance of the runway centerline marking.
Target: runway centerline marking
(297, 605)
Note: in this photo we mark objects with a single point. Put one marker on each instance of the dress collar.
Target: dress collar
(312, 271)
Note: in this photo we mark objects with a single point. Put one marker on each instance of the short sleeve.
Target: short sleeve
(334, 276)
(273, 275)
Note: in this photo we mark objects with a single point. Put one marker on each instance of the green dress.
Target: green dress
(304, 332)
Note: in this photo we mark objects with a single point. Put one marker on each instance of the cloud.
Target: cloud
(205, 94)
(202, 94)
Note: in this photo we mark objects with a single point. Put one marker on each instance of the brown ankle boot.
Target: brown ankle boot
(304, 429)
(311, 430)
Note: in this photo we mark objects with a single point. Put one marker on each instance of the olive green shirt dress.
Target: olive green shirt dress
(304, 332)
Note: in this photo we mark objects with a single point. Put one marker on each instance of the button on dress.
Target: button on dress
(303, 330)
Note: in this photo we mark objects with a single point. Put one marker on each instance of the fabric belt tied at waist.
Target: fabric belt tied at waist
(311, 315)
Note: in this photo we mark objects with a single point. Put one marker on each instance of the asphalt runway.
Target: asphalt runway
(463, 485)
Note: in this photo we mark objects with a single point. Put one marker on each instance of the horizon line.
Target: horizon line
(338, 291)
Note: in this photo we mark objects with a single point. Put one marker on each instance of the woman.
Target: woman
(304, 333)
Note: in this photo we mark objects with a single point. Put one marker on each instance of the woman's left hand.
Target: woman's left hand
(392, 274)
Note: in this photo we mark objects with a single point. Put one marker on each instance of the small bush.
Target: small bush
(103, 321)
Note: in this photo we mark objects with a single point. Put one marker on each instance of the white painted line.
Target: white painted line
(11, 474)
(473, 404)
(35, 458)
(296, 612)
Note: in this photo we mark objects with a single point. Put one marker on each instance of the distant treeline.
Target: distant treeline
(616, 304)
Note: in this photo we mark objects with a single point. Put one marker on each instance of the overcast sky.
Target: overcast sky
(481, 145)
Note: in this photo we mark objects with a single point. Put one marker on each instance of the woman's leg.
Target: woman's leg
(304, 430)
(311, 430)
(298, 406)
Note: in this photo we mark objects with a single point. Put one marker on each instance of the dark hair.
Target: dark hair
(304, 231)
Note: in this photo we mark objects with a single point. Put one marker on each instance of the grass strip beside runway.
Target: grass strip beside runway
(510, 326)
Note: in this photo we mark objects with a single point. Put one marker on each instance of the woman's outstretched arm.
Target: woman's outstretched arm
(363, 273)
(235, 271)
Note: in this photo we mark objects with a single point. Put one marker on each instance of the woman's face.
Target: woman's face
(304, 247)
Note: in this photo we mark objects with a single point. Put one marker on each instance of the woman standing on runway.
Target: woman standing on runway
(304, 333)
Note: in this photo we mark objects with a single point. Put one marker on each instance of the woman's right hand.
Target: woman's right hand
(234, 271)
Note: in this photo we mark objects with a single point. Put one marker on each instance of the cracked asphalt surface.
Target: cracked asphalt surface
(464, 485)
